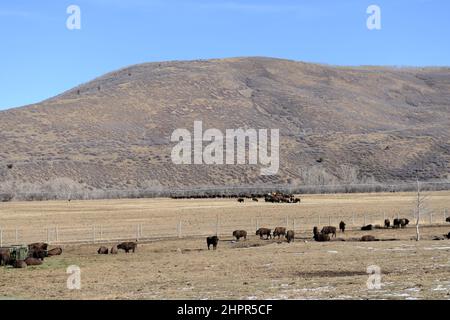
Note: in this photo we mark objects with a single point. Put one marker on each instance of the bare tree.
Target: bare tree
(419, 208)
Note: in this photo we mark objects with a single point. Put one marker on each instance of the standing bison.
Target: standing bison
(127, 246)
(114, 250)
(290, 235)
(264, 232)
(448, 219)
(342, 226)
(212, 241)
(240, 200)
(329, 230)
(387, 223)
(279, 231)
(5, 257)
(240, 234)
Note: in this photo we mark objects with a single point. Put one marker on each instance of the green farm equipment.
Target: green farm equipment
(17, 252)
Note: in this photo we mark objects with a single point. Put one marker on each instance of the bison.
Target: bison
(114, 250)
(255, 199)
(38, 253)
(367, 227)
(19, 264)
(404, 222)
(102, 250)
(329, 230)
(127, 246)
(240, 199)
(290, 235)
(264, 232)
(319, 236)
(38, 246)
(342, 226)
(33, 261)
(5, 257)
(213, 240)
(54, 252)
(387, 223)
(368, 238)
(279, 231)
(240, 234)
(448, 219)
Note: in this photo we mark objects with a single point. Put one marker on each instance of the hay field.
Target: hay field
(172, 268)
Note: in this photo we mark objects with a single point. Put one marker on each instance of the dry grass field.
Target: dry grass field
(174, 268)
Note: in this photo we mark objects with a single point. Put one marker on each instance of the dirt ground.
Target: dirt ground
(248, 269)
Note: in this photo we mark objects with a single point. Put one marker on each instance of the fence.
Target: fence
(220, 225)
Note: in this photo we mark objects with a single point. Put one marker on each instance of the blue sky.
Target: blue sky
(40, 57)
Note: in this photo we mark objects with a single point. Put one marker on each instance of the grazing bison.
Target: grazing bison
(290, 235)
(319, 236)
(127, 246)
(240, 234)
(264, 232)
(240, 200)
(387, 223)
(367, 227)
(33, 261)
(5, 257)
(102, 250)
(38, 246)
(279, 231)
(19, 264)
(368, 238)
(342, 226)
(255, 199)
(448, 219)
(54, 252)
(329, 230)
(213, 240)
(114, 250)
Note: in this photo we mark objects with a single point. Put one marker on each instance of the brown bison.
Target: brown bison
(38, 246)
(240, 234)
(127, 246)
(255, 199)
(387, 223)
(19, 264)
(279, 231)
(367, 227)
(264, 232)
(54, 252)
(329, 230)
(290, 235)
(448, 219)
(213, 240)
(37, 253)
(33, 261)
(240, 200)
(5, 257)
(319, 236)
(342, 226)
(114, 250)
(368, 238)
(102, 250)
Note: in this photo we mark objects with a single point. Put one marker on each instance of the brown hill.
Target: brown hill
(337, 125)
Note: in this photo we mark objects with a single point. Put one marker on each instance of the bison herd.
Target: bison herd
(37, 252)
(125, 246)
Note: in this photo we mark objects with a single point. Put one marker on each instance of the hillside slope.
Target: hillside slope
(337, 124)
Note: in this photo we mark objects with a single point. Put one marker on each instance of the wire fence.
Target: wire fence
(221, 225)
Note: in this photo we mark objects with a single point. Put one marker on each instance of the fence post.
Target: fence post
(329, 220)
(364, 219)
(318, 225)
(294, 225)
(140, 230)
(17, 236)
(217, 224)
(93, 234)
(257, 224)
(57, 233)
(445, 214)
(48, 235)
(287, 222)
(179, 228)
